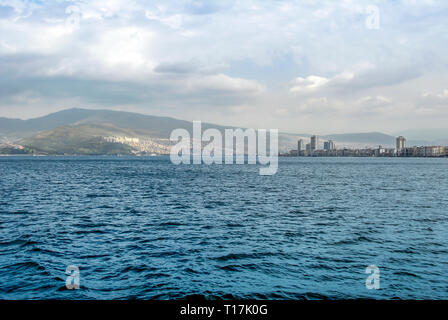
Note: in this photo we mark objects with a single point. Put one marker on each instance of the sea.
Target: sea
(144, 228)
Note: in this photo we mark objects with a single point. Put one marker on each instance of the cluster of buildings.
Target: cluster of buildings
(422, 151)
(143, 146)
(312, 149)
(11, 146)
(12, 149)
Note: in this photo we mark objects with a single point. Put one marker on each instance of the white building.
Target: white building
(400, 143)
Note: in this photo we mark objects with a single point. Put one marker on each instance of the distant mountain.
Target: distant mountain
(436, 135)
(158, 126)
(370, 139)
(83, 131)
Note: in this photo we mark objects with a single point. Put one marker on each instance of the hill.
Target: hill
(83, 131)
(160, 127)
(371, 139)
(76, 140)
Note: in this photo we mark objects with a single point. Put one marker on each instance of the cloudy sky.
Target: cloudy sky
(301, 66)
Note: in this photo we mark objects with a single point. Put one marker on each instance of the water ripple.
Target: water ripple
(142, 228)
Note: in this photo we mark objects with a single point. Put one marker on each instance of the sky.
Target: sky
(299, 66)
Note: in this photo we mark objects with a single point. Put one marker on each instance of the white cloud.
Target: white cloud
(375, 105)
(433, 103)
(437, 96)
(309, 83)
(221, 82)
(313, 83)
(173, 21)
(172, 57)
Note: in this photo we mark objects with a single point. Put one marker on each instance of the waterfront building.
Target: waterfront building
(329, 145)
(400, 143)
(314, 143)
(299, 147)
(422, 151)
(308, 149)
(434, 151)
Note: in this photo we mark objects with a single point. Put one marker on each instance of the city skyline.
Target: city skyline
(313, 149)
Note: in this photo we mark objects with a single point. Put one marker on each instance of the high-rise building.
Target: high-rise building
(308, 149)
(332, 146)
(299, 146)
(329, 145)
(314, 143)
(401, 143)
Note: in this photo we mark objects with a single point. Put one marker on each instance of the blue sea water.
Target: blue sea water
(143, 228)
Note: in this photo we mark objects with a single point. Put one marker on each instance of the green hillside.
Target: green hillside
(77, 140)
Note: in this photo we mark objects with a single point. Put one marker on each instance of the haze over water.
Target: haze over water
(145, 228)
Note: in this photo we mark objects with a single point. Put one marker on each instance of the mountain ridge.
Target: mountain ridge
(101, 122)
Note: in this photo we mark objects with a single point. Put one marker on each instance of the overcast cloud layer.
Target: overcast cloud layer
(300, 66)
